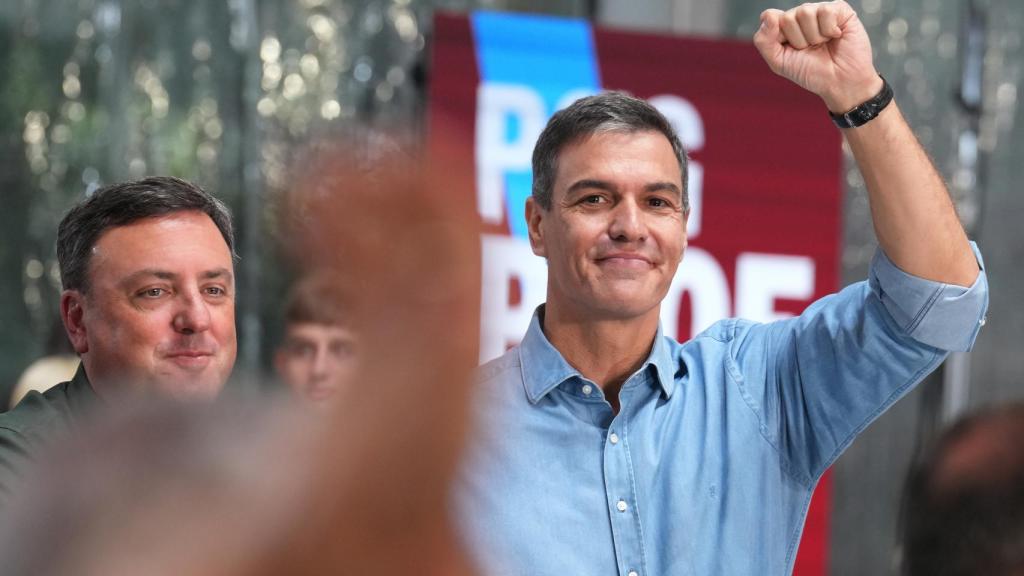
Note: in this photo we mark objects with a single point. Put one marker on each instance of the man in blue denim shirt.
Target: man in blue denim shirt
(611, 449)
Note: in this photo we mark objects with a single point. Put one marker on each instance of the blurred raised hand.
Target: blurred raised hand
(269, 487)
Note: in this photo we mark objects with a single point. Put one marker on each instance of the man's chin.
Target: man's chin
(189, 386)
(189, 393)
(627, 300)
(624, 308)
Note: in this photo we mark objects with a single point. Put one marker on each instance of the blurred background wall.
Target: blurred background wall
(228, 93)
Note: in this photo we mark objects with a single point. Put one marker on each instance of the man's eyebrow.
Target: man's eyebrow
(589, 184)
(168, 275)
(660, 186)
(217, 273)
(149, 273)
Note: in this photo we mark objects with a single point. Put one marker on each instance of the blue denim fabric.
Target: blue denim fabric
(709, 466)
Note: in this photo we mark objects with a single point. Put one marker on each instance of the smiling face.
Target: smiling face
(616, 229)
(159, 312)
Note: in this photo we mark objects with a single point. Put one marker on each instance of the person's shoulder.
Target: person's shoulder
(41, 415)
(722, 331)
(38, 415)
(39, 420)
(498, 367)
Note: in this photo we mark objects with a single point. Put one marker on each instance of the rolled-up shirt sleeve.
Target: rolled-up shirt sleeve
(945, 316)
(815, 381)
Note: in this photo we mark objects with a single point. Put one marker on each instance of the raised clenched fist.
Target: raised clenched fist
(822, 47)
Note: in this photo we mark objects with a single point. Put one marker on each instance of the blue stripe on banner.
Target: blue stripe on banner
(554, 57)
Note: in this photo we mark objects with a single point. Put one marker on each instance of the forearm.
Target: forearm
(824, 48)
(913, 215)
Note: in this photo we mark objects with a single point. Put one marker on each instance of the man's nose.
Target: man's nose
(321, 361)
(627, 223)
(193, 315)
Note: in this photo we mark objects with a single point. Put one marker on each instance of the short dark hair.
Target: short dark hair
(122, 204)
(964, 502)
(604, 112)
(319, 298)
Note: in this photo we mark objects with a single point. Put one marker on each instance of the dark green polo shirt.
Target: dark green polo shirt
(39, 419)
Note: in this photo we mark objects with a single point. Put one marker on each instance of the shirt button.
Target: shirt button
(983, 320)
(632, 573)
(613, 438)
(587, 389)
(621, 506)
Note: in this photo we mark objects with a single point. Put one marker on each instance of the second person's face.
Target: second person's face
(159, 312)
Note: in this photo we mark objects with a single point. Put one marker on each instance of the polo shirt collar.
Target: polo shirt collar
(81, 395)
(544, 368)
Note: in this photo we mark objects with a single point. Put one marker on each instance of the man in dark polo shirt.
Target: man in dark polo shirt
(148, 304)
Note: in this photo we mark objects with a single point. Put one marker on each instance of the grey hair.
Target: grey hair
(601, 113)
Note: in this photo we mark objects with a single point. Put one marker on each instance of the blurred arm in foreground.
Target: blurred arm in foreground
(242, 490)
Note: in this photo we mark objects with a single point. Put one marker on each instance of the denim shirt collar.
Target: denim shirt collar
(544, 368)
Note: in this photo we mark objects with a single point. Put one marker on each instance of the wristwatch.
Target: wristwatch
(866, 112)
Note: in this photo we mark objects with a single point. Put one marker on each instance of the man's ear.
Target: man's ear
(72, 313)
(535, 214)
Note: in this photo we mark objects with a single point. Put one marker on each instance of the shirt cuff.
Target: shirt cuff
(945, 316)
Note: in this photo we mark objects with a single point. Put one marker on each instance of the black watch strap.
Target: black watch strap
(867, 111)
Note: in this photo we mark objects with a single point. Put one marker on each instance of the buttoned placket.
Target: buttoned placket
(620, 488)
